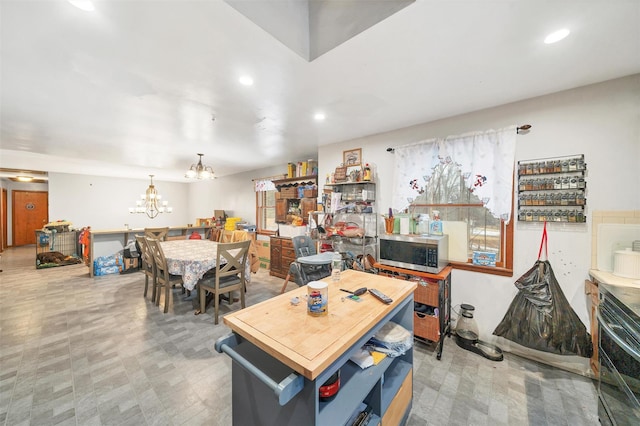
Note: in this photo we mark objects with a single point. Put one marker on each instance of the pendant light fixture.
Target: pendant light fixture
(199, 171)
(150, 203)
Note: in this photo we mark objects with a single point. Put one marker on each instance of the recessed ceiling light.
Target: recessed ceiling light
(556, 36)
(85, 5)
(245, 80)
(24, 178)
(319, 116)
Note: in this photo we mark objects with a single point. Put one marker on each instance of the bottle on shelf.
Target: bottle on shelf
(336, 266)
(436, 224)
(366, 174)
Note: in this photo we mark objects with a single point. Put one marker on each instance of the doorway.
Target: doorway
(30, 212)
(3, 221)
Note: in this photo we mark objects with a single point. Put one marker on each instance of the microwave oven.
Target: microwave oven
(418, 252)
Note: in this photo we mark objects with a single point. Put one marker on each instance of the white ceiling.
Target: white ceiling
(131, 88)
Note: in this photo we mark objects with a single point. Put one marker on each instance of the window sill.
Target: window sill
(492, 270)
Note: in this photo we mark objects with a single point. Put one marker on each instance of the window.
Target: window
(266, 210)
(265, 206)
(468, 180)
(446, 193)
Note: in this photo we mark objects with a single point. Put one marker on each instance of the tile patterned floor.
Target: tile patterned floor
(81, 351)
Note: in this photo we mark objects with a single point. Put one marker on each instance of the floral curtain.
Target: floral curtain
(486, 160)
(264, 185)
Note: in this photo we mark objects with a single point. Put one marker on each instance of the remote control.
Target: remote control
(380, 296)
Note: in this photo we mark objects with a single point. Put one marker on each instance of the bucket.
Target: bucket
(317, 298)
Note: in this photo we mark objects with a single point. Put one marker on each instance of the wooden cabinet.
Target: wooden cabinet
(292, 199)
(432, 315)
(591, 288)
(308, 205)
(282, 208)
(282, 254)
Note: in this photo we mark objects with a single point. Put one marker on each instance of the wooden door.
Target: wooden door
(308, 205)
(282, 208)
(30, 212)
(3, 220)
(275, 257)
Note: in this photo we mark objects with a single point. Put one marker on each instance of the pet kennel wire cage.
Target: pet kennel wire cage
(49, 243)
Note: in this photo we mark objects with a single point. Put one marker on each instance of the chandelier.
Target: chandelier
(150, 203)
(199, 171)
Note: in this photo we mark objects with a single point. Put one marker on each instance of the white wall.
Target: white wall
(234, 194)
(601, 121)
(103, 202)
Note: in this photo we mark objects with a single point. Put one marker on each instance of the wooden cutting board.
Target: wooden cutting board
(309, 344)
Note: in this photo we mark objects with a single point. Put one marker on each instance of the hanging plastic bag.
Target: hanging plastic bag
(540, 317)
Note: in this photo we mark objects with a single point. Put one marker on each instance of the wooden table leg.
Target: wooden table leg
(286, 281)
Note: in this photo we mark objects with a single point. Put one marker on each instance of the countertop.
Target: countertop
(609, 278)
(134, 230)
(309, 344)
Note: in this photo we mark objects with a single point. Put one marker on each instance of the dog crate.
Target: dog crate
(51, 244)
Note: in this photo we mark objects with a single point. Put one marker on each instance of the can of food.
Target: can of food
(317, 298)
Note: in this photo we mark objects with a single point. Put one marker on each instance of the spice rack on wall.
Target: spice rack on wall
(552, 190)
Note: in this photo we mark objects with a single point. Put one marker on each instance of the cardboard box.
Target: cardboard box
(484, 258)
(130, 262)
(265, 263)
(264, 249)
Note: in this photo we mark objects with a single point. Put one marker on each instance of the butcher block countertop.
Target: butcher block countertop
(309, 344)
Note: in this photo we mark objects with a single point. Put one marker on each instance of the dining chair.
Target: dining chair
(163, 278)
(157, 233)
(303, 273)
(229, 275)
(148, 266)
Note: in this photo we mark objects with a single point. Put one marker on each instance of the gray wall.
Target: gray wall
(103, 202)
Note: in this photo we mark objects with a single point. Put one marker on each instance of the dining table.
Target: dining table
(190, 258)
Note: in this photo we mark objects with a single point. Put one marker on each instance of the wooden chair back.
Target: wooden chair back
(148, 265)
(163, 277)
(157, 233)
(229, 275)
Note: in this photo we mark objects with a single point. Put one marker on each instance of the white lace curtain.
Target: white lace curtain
(486, 160)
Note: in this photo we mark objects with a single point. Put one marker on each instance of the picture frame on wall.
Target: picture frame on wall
(354, 174)
(352, 157)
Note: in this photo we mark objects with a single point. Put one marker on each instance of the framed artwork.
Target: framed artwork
(352, 157)
(354, 174)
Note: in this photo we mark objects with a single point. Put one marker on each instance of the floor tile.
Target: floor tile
(81, 351)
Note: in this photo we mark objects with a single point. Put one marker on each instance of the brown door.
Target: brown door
(3, 221)
(30, 212)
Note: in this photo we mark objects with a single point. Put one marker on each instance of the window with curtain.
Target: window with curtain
(468, 181)
(266, 205)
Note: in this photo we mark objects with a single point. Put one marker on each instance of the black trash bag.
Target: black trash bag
(540, 317)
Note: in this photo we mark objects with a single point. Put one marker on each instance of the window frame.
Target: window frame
(261, 207)
(504, 267)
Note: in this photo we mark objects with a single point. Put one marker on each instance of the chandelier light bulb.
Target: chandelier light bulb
(149, 203)
(199, 171)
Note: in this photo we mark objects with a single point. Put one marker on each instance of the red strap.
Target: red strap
(544, 242)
